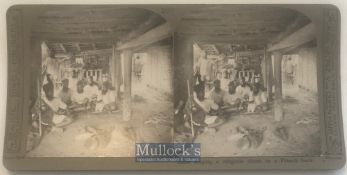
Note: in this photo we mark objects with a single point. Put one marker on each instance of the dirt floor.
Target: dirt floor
(107, 135)
(300, 123)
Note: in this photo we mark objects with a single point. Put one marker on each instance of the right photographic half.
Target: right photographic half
(246, 81)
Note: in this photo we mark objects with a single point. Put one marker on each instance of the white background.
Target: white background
(4, 4)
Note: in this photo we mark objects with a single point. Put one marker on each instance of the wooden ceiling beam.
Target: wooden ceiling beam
(230, 17)
(74, 35)
(56, 10)
(252, 42)
(224, 28)
(235, 24)
(78, 37)
(95, 52)
(298, 22)
(152, 21)
(77, 28)
(230, 37)
(234, 8)
(75, 39)
(83, 17)
(154, 35)
(265, 32)
(83, 23)
(91, 14)
(301, 36)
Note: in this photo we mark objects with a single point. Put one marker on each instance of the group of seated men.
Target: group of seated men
(240, 97)
(87, 96)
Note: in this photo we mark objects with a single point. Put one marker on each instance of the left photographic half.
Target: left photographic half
(104, 82)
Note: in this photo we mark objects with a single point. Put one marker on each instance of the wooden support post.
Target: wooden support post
(117, 73)
(278, 107)
(127, 85)
(263, 69)
(183, 67)
(269, 74)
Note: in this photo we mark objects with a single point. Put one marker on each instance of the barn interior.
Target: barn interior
(108, 44)
(278, 47)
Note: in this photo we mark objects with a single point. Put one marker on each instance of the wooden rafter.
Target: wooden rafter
(62, 47)
(94, 52)
(152, 21)
(301, 36)
(156, 34)
(298, 22)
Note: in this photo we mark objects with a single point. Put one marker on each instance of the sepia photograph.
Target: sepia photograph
(180, 87)
(96, 97)
(253, 88)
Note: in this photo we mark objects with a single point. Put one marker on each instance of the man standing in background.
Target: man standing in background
(289, 70)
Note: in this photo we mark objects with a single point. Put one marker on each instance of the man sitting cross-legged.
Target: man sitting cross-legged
(217, 93)
(243, 91)
(105, 98)
(199, 109)
(60, 116)
(65, 93)
(79, 98)
(258, 100)
(231, 99)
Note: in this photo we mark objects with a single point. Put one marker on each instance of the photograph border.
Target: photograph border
(21, 50)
